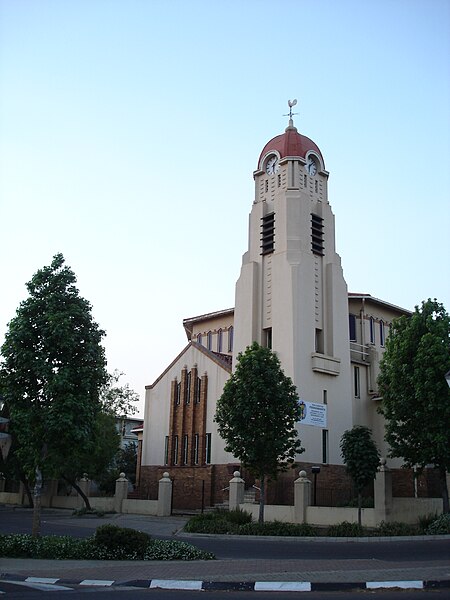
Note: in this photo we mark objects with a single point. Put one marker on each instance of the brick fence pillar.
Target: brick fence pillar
(165, 496)
(236, 496)
(302, 497)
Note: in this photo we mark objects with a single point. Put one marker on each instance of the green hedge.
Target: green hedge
(105, 546)
(222, 522)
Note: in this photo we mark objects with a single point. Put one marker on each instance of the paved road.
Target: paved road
(240, 559)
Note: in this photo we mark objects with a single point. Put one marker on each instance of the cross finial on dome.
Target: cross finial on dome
(291, 103)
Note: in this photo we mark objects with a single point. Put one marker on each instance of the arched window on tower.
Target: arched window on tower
(209, 340)
(199, 338)
(219, 340)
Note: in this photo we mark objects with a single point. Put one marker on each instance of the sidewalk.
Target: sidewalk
(338, 573)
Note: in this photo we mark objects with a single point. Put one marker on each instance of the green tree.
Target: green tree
(416, 397)
(52, 372)
(256, 416)
(361, 458)
(119, 400)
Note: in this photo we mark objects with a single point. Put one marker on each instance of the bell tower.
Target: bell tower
(291, 294)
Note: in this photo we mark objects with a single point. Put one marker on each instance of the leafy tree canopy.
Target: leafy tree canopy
(116, 399)
(257, 413)
(53, 369)
(416, 397)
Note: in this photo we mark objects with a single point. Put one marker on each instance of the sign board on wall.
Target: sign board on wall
(313, 413)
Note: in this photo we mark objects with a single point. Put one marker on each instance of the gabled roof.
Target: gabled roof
(189, 323)
(220, 359)
(399, 309)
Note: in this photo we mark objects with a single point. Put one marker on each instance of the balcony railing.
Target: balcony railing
(359, 352)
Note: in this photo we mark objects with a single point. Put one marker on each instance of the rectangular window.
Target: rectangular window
(196, 448)
(219, 340)
(230, 339)
(208, 448)
(185, 449)
(188, 388)
(316, 186)
(166, 450)
(317, 236)
(198, 390)
(177, 392)
(325, 446)
(268, 233)
(319, 341)
(381, 333)
(372, 330)
(325, 397)
(352, 327)
(268, 337)
(356, 382)
(305, 181)
(175, 450)
(279, 180)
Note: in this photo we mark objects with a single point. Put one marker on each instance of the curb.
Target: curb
(257, 586)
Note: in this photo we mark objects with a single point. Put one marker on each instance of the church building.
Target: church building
(291, 296)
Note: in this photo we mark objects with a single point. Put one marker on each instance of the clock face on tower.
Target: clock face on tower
(311, 166)
(272, 165)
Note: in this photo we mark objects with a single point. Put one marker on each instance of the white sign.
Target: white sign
(313, 413)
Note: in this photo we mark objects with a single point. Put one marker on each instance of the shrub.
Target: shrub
(395, 528)
(211, 523)
(171, 550)
(425, 521)
(81, 512)
(236, 516)
(122, 540)
(346, 529)
(440, 526)
(66, 548)
(277, 528)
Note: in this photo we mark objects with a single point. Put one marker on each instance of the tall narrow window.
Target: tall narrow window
(209, 340)
(185, 449)
(199, 338)
(316, 186)
(268, 337)
(196, 448)
(319, 341)
(175, 450)
(267, 186)
(230, 338)
(325, 446)
(325, 397)
(268, 233)
(198, 390)
(279, 180)
(352, 327)
(177, 393)
(188, 388)
(356, 382)
(166, 450)
(208, 448)
(317, 236)
(305, 181)
(372, 330)
(381, 333)
(219, 340)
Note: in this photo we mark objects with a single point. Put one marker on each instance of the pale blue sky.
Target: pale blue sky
(129, 131)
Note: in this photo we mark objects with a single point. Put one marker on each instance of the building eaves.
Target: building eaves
(355, 296)
(214, 356)
(189, 322)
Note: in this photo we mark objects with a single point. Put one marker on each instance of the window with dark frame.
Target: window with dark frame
(188, 388)
(198, 390)
(317, 236)
(230, 338)
(268, 233)
(166, 450)
(196, 448)
(219, 340)
(175, 450)
(372, 330)
(208, 448)
(352, 327)
(325, 446)
(185, 449)
(209, 340)
(356, 382)
(381, 333)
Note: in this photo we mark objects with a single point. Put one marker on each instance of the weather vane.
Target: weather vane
(291, 104)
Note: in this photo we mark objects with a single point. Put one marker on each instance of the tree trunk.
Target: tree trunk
(261, 499)
(79, 491)
(359, 508)
(36, 527)
(26, 487)
(444, 489)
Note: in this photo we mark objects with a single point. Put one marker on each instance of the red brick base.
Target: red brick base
(194, 487)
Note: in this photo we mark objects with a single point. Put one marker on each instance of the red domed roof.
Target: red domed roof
(290, 143)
